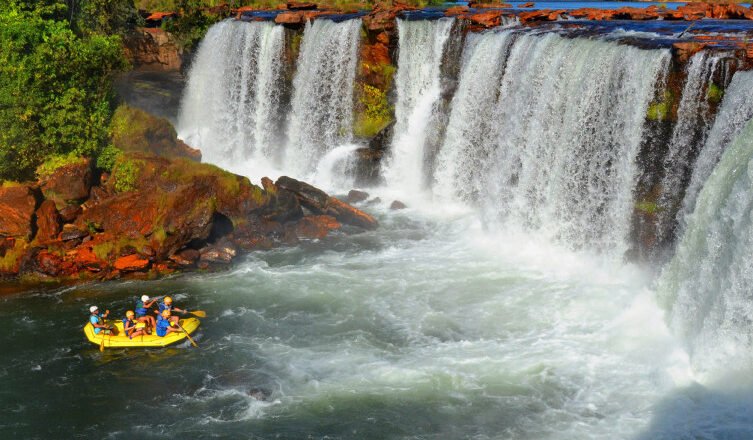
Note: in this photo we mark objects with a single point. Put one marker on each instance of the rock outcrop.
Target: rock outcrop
(156, 215)
(153, 48)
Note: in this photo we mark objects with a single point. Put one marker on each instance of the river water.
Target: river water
(426, 328)
(498, 305)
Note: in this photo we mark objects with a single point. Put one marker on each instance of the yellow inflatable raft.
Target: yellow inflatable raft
(120, 340)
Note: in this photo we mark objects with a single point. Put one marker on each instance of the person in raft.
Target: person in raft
(129, 325)
(98, 321)
(142, 312)
(165, 325)
(167, 304)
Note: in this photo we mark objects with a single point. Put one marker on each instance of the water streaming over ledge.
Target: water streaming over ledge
(422, 45)
(231, 108)
(531, 325)
(706, 286)
(693, 121)
(517, 111)
(736, 110)
(322, 109)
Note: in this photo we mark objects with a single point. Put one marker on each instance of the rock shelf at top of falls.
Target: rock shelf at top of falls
(155, 215)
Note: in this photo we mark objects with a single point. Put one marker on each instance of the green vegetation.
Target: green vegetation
(647, 207)
(9, 261)
(659, 110)
(55, 95)
(54, 162)
(192, 23)
(376, 114)
(108, 157)
(125, 173)
(714, 93)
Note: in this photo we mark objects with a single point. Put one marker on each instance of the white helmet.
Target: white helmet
(144, 298)
(93, 309)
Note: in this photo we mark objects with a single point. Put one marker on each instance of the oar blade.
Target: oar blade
(199, 313)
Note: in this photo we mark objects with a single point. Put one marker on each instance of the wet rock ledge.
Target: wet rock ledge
(153, 216)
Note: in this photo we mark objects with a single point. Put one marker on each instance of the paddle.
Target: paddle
(187, 335)
(198, 313)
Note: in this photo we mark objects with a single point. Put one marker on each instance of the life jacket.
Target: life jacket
(127, 321)
(140, 309)
(162, 325)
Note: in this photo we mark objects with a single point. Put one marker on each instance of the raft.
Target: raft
(120, 340)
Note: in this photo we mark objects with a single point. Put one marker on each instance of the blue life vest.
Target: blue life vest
(162, 325)
(140, 309)
(94, 319)
(163, 306)
(126, 323)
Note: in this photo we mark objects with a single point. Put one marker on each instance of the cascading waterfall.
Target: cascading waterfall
(422, 45)
(468, 142)
(231, 108)
(322, 106)
(736, 110)
(693, 120)
(706, 286)
(550, 152)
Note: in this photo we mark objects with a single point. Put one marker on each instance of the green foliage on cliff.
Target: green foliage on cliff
(376, 112)
(56, 161)
(714, 93)
(659, 110)
(192, 24)
(108, 157)
(55, 93)
(125, 173)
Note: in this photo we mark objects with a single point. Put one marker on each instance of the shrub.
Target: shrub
(125, 173)
(54, 162)
(108, 157)
(55, 93)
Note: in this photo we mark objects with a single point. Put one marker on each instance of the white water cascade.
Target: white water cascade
(549, 151)
(422, 45)
(231, 107)
(322, 106)
(736, 110)
(693, 120)
(706, 286)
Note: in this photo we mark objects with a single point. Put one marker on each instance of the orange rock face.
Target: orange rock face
(301, 6)
(486, 19)
(456, 10)
(48, 221)
(17, 206)
(131, 263)
(69, 184)
(686, 49)
(316, 226)
(540, 15)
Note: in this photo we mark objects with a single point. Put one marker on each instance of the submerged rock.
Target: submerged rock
(397, 204)
(355, 196)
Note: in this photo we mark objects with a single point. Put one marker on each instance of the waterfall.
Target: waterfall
(468, 141)
(706, 285)
(322, 106)
(736, 110)
(231, 108)
(422, 44)
(693, 119)
(546, 141)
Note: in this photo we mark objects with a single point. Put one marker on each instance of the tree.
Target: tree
(56, 89)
